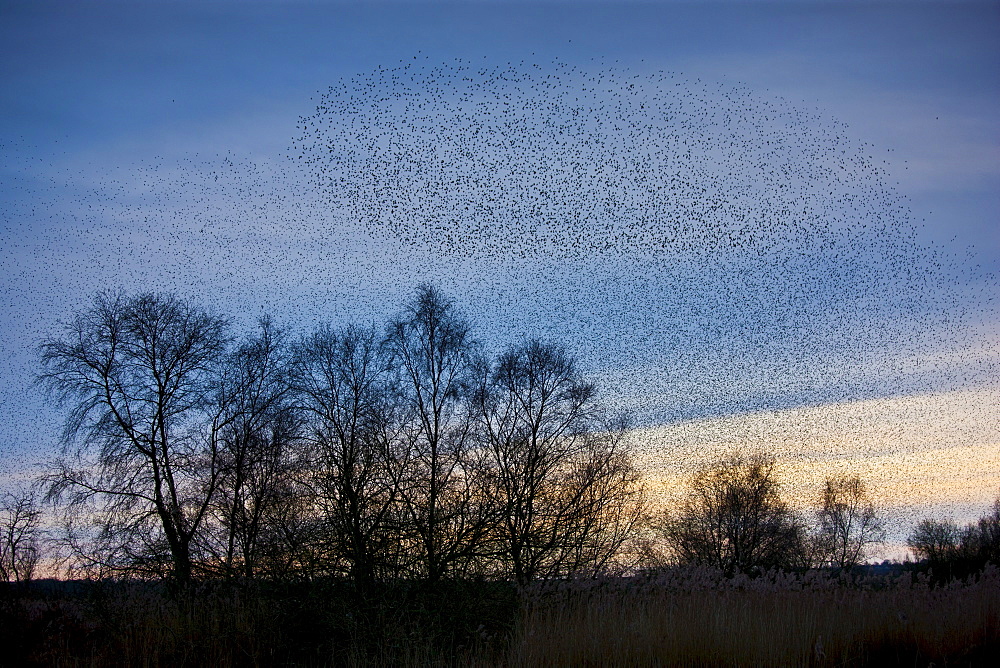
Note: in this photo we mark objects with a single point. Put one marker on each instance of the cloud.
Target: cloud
(935, 455)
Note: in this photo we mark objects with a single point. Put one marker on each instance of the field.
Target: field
(676, 618)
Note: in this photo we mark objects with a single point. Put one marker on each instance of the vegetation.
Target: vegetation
(735, 520)
(20, 536)
(400, 496)
(848, 524)
(686, 617)
(700, 617)
(140, 377)
(411, 454)
(954, 551)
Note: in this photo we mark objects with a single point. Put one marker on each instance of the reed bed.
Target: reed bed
(686, 617)
(224, 625)
(779, 620)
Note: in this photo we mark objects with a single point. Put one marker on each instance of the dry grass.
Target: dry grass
(301, 624)
(778, 621)
(679, 618)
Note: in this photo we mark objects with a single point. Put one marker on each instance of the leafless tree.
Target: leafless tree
(347, 453)
(445, 492)
(343, 383)
(137, 374)
(988, 535)
(612, 502)
(258, 455)
(734, 518)
(20, 536)
(935, 540)
(963, 549)
(566, 493)
(848, 524)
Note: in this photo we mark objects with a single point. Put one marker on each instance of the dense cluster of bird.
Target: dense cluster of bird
(710, 249)
(702, 248)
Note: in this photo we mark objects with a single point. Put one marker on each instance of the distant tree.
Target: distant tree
(558, 473)
(734, 518)
(444, 494)
(935, 540)
(20, 533)
(343, 383)
(138, 375)
(954, 550)
(988, 535)
(848, 524)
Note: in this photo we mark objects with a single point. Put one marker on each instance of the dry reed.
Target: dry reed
(772, 621)
(686, 617)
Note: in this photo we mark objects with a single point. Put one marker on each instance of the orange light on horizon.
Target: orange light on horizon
(920, 456)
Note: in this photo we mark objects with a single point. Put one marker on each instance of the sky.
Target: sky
(790, 209)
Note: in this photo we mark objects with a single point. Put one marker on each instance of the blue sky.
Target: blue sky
(99, 82)
(120, 118)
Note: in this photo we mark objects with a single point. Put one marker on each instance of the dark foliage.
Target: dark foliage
(952, 551)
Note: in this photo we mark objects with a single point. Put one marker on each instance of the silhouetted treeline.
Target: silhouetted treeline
(400, 452)
(735, 519)
(950, 550)
(380, 454)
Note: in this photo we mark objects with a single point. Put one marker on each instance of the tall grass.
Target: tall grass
(700, 619)
(287, 624)
(684, 617)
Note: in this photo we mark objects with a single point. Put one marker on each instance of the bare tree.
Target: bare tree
(137, 374)
(20, 533)
(566, 493)
(935, 540)
(611, 505)
(444, 495)
(988, 535)
(257, 452)
(962, 550)
(343, 383)
(734, 518)
(848, 524)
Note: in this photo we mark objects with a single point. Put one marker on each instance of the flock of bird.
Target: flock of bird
(708, 248)
(702, 248)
